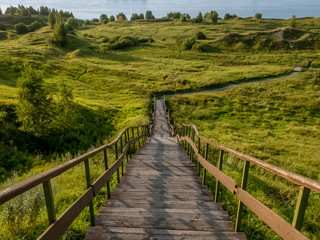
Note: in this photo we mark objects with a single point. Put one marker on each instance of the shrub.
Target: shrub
(149, 15)
(200, 36)
(35, 26)
(94, 20)
(212, 16)
(258, 16)
(105, 40)
(123, 43)
(188, 43)
(199, 18)
(21, 28)
(292, 22)
(3, 27)
(183, 18)
(73, 22)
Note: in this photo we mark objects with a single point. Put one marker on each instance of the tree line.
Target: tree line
(21, 10)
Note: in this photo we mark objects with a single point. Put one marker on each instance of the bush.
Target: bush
(3, 27)
(21, 28)
(35, 26)
(59, 34)
(200, 36)
(292, 22)
(73, 22)
(212, 16)
(258, 16)
(188, 43)
(121, 43)
(199, 18)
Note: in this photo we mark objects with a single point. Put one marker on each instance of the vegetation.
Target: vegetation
(276, 121)
(258, 16)
(103, 75)
(198, 18)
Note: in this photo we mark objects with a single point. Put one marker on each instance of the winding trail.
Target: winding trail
(290, 75)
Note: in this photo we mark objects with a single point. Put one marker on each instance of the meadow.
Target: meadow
(112, 89)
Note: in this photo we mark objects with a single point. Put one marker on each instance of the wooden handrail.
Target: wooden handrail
(286, 230)
(290, 176)
(58, 226)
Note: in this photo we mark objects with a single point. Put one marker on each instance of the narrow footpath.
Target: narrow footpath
(161, 197)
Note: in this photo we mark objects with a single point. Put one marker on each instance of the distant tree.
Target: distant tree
(34, 105)
(134, 16)
(43, 10)
(73, 22)
(227, 16)
(59, 32)
(120, 19)
(11, 10)
(183, 18)
(199, 18)
(104, 18)
(258, 16)
(121, 15)
(149, 15)
(292, 21)
(32, 10)
(112, 18)
(141, 16)
(174, 15)
(52, 18)
(1, 11)
(21, 28)
(23, 11)
(212, 16)
(95, 20)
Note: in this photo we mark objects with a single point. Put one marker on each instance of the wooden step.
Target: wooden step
(98, 233)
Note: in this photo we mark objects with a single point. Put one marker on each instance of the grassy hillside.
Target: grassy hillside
(276, 121)
(112, 88)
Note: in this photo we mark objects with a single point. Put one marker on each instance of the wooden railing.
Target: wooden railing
(192, 141)
(128, 140)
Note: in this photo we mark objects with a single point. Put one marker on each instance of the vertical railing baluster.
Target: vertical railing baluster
(243, 186)
(199, 150)
(204, 176)
(138, 134)
(188, 142)
(126, 142)
(106, 165)
(301, 206)
(121, 149)
(88, 178)
(219, 166)
(134, 145)
(47, 189)
(116, 152)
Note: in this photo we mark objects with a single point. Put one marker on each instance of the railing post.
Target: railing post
(191, 149)
(134, 145)
(243, 186)
(116, 152)
(47, 189)
(199, 150)
(121, 149)
(219, 165)
(126, 142)
(86, 164)
(204, 176)
(301, 206)
(188, 151)
(138, 134)
(106, 165)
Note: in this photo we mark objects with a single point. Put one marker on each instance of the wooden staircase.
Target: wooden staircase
(161, 196)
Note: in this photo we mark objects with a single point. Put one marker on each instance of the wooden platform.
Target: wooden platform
(161, 197)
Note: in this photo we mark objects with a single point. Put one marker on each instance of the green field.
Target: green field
(277, 122)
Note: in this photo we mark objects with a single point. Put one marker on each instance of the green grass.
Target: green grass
(112, 91)
(276, 121)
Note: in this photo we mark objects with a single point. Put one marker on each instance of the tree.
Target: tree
(258, 16)
(52, 18)
(121, 15)
(104, 18)
(34, 106)
(141, 16)
(134, 16)
(149, 15)
(1, 12)
(112, 18)
(212, 16)
(199, 18)
(227, 16)
(183, 18)
(44, 11)
(292, 21)
(59, 32)
(11, 10)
